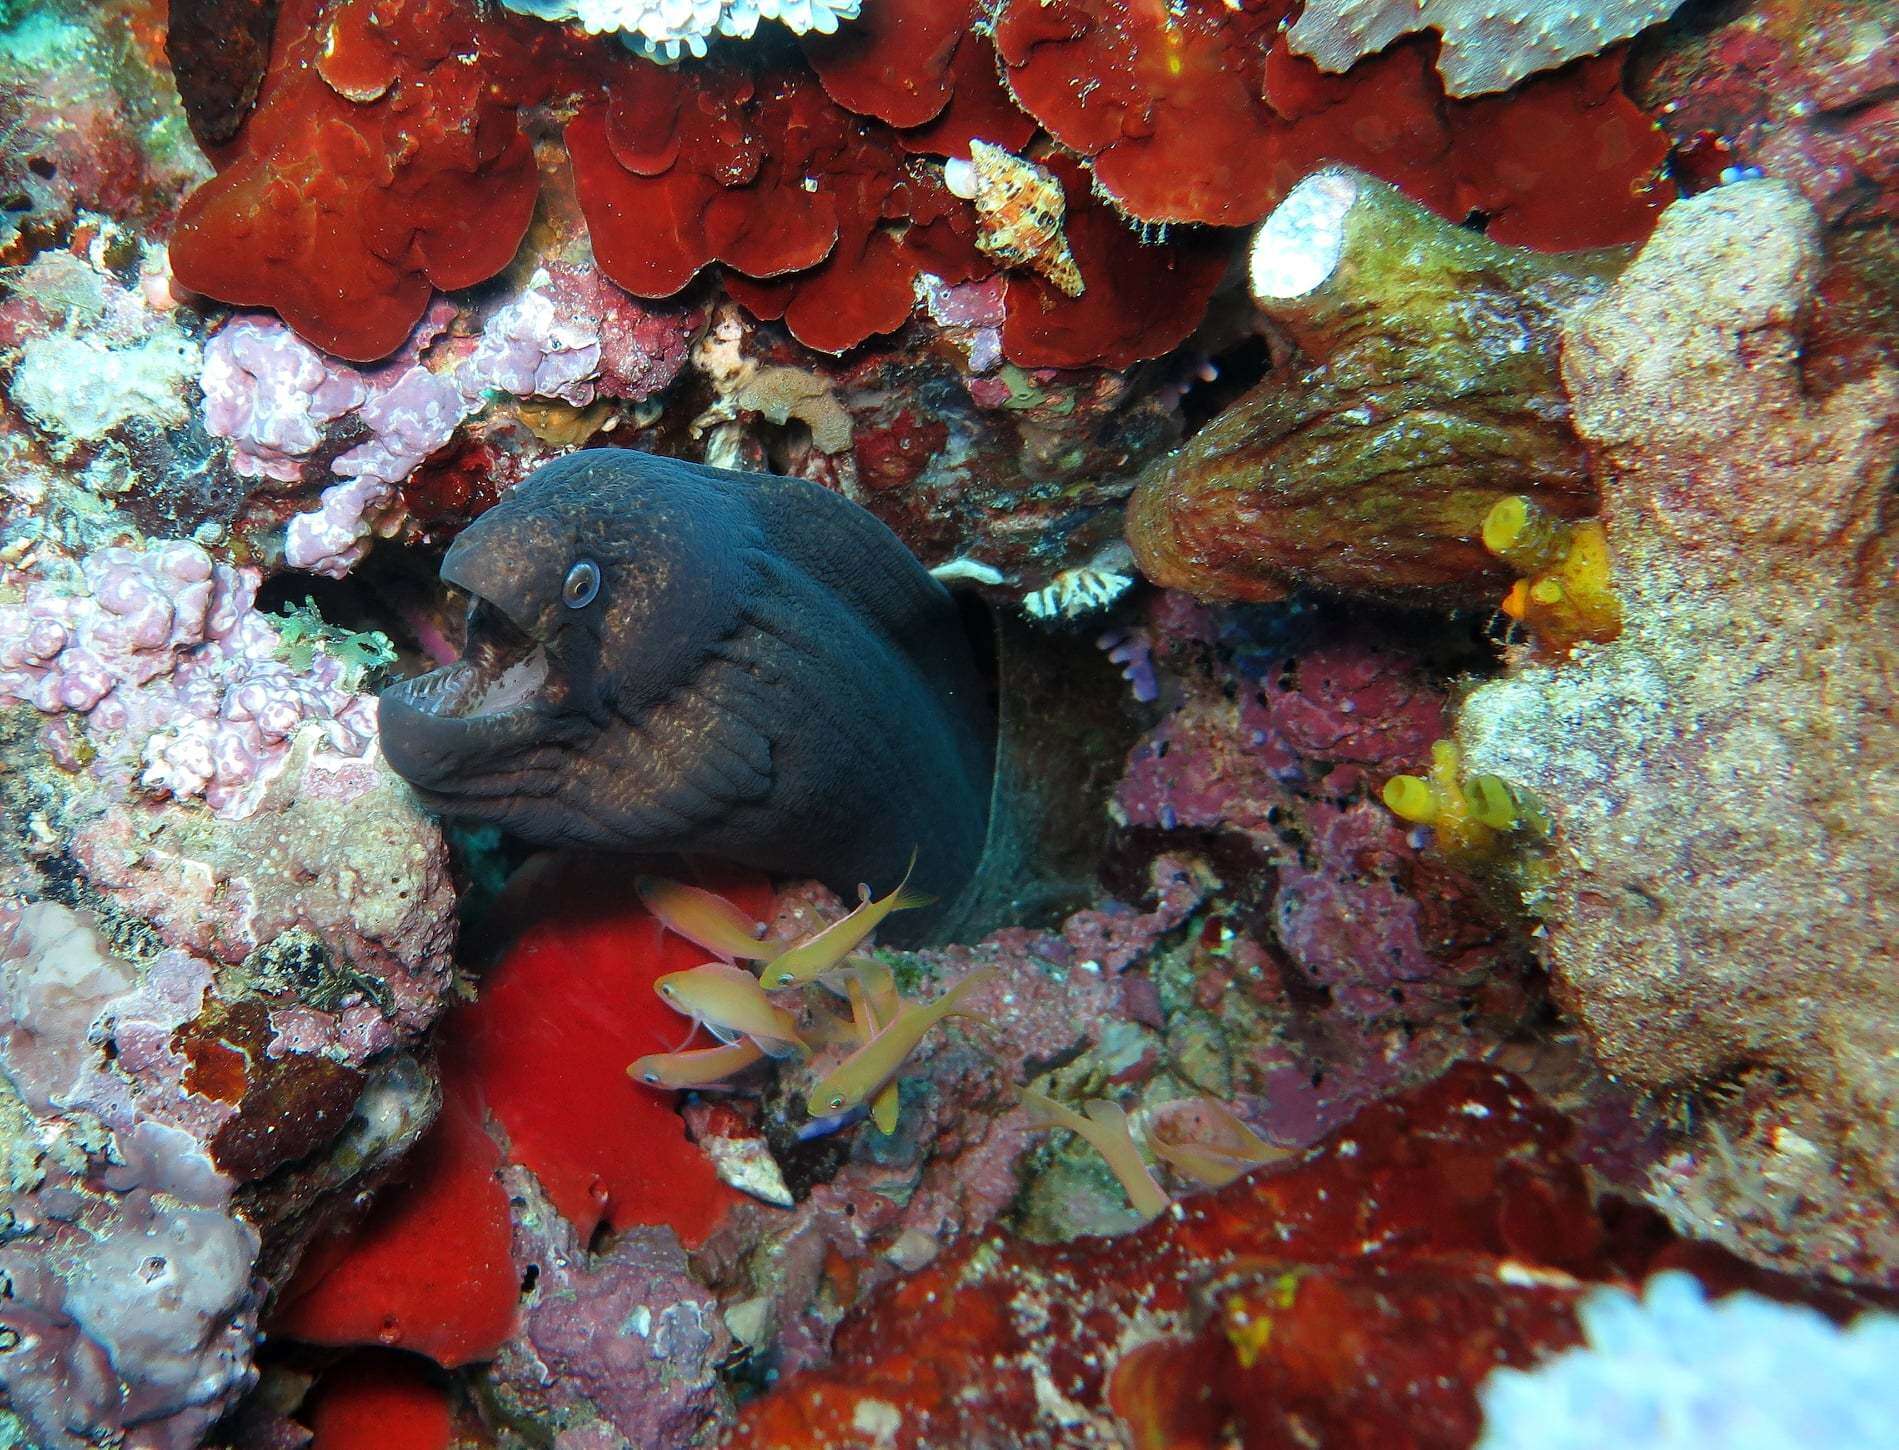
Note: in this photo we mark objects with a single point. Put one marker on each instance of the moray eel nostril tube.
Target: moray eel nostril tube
(667, 657)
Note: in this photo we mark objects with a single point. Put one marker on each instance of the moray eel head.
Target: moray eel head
(666, 657)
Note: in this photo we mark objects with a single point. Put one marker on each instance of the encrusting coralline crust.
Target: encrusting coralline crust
(1722, 896)
(1488, 45)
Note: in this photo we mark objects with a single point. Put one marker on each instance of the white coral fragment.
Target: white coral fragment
(1075, 592)
(1671, 1371)
(667, 30)
(1489, 45)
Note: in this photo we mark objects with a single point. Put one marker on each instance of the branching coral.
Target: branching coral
(1427, 390)
(1487, 46)
(667, 31)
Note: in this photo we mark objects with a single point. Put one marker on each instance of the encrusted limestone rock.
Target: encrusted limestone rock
(1721, 892)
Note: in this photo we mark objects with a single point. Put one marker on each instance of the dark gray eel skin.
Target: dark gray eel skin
(765, 675)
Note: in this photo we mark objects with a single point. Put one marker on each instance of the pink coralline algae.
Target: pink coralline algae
(566, 337)
(175, 673)
(1342, 960)
(131, 1303)
(623, 1345)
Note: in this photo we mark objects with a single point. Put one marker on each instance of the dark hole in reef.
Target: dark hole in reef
(529, 1278)
(394, 591)
(42, 168)
(1240, 367)
(1476, 220)
(17, 201)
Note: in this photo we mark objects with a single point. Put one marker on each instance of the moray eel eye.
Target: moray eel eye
(582, 584)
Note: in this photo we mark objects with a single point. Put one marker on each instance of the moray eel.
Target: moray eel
(667, 657)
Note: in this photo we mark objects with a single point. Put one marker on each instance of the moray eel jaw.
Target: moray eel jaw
(500, 699)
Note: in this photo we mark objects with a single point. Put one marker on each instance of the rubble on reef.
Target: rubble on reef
(1428, 502)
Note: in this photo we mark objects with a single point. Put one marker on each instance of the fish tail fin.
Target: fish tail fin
(952, 1000)
(781, 1047)
(905, 898)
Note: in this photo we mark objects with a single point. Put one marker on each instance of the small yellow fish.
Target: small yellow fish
(867, 1071)
(699, 1068)
(873, 1009)
(1105, 1129)
(1205, 1140)
(705, 919)
(824, 951)
(728, 999)
(879, 986)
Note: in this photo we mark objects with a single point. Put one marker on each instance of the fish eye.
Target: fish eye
(837, 1102)
(583, 583)
(649, 1076)
(665, 989)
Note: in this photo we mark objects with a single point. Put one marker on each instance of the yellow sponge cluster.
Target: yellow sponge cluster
(1564, 596)
(1469, 816)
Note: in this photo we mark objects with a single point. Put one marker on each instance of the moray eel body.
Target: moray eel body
(667, 657)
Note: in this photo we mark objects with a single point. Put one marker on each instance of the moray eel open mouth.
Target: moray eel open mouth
(502, 669)
(497, 697)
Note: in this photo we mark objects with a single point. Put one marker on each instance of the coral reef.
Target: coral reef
(1486, 46)
(1342, 960)
(317, 1121)
(1289, 1302)
(1718, 892)
(130, 1295)
(1425, 391)
(1798, 89)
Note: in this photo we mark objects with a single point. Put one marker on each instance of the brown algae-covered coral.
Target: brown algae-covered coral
(1426, 390)
(1720, 894)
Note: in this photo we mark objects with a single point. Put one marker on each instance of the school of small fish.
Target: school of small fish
(1199, 1139)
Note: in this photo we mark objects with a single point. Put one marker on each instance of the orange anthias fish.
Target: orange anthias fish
(1105, 1129)
(1205, 1140)
(699, 1068)
(874, 1006)
(874, 1066)
(705, 919)
(824, 951)
(729, 1001)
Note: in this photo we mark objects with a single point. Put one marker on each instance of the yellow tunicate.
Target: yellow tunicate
(1492, 802)
(1564, 597)
(1411, 798)
(1467, 816)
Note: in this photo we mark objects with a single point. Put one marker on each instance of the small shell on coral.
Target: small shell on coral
(1019, 208)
